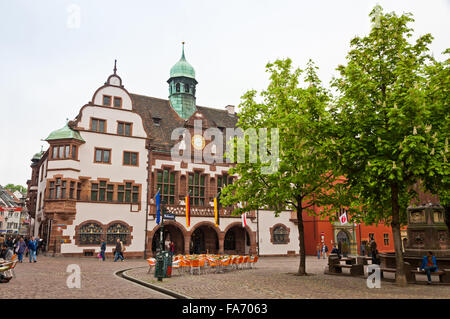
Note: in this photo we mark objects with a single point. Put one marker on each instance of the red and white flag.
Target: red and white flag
(244, 219)
(343, 218)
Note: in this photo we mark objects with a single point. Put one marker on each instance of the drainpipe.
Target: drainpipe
(257, 231)
(146, 199)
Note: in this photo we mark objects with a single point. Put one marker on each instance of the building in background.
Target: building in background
(12, 213)
(101, 172)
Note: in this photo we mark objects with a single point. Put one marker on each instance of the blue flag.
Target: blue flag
(158, 210)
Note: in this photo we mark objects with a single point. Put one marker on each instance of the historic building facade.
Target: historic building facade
(100, 174)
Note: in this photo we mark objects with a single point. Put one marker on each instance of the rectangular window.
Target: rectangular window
(117, 101)
(58, 188)
(197, 189)
(166, 184)
(61, 152)
(94, 192)
(67, 151)
(124, 128)
(109, 192)
(371, 236)
(55, 152)
(102, 191)
(106, 100)
(135, 194)
(63, 189)
(102, 156)
(386, 239)
(74, 152)
(78, 191)
(72, 190)
(120, 193)
(98, 125)
(127, 192)
(51, 190)
(130, 158)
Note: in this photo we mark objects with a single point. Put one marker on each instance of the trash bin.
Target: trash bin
(160, 266)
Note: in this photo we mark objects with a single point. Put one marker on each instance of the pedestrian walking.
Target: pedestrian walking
(118, 250)
(324, 251)
(171, 248)
(318, 249)
(103, 250)
(20, 249)
(32, 247)
(122, 250)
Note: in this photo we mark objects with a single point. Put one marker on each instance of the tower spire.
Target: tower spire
(115, 66)
(182, 55)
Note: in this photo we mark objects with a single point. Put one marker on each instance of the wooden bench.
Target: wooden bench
(355, 269)
(444, 275)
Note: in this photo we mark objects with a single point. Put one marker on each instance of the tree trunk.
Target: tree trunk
(301, 237)
(400, 277)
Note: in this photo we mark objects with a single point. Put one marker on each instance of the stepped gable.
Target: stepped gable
(160, 136)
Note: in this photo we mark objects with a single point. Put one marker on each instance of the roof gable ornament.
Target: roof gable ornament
(114, 79)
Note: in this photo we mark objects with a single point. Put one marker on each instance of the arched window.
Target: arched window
(117, 231)
(177, 86)
(186, 88)
(280, 235)
(91, 234)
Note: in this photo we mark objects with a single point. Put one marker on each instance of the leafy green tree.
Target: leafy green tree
(302, 169)
(437, 176)
(13, 188)
(383, 142)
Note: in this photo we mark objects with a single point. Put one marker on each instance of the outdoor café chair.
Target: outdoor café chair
(195, 265)
(253, 261)
(246, 261)
(151, 264)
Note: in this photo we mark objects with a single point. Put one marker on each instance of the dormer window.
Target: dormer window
(156, 121)
(106, 100)
(117, 101)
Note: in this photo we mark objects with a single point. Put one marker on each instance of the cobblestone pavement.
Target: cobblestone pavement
(274, 278)
(47, 279)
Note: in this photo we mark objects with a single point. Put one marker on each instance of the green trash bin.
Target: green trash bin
(161, 266)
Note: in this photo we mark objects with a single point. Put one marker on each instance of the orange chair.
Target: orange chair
(246, 261)
(213, 265)
(176, 265)
(240, 262)
(151, 263)
(195, 265)
(253, 261)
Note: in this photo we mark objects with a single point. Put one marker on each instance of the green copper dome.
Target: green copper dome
(182, 68)
(38, 156)
(64, 133)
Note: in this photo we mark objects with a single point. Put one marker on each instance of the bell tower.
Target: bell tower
(182, 84)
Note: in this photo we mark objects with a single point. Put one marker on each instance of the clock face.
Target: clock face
(114, 80)
(198, 142)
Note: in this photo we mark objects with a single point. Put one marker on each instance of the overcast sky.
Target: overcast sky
(51, 62)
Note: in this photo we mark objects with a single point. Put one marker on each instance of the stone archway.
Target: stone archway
(204, 239)
(173, 231)
(239, 240)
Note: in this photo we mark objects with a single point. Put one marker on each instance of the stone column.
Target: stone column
(221, 242)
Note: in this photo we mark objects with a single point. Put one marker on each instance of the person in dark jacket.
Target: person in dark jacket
(335, 250)
(118, 251)
(103, 250)
(32, 247)
(429, 265)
